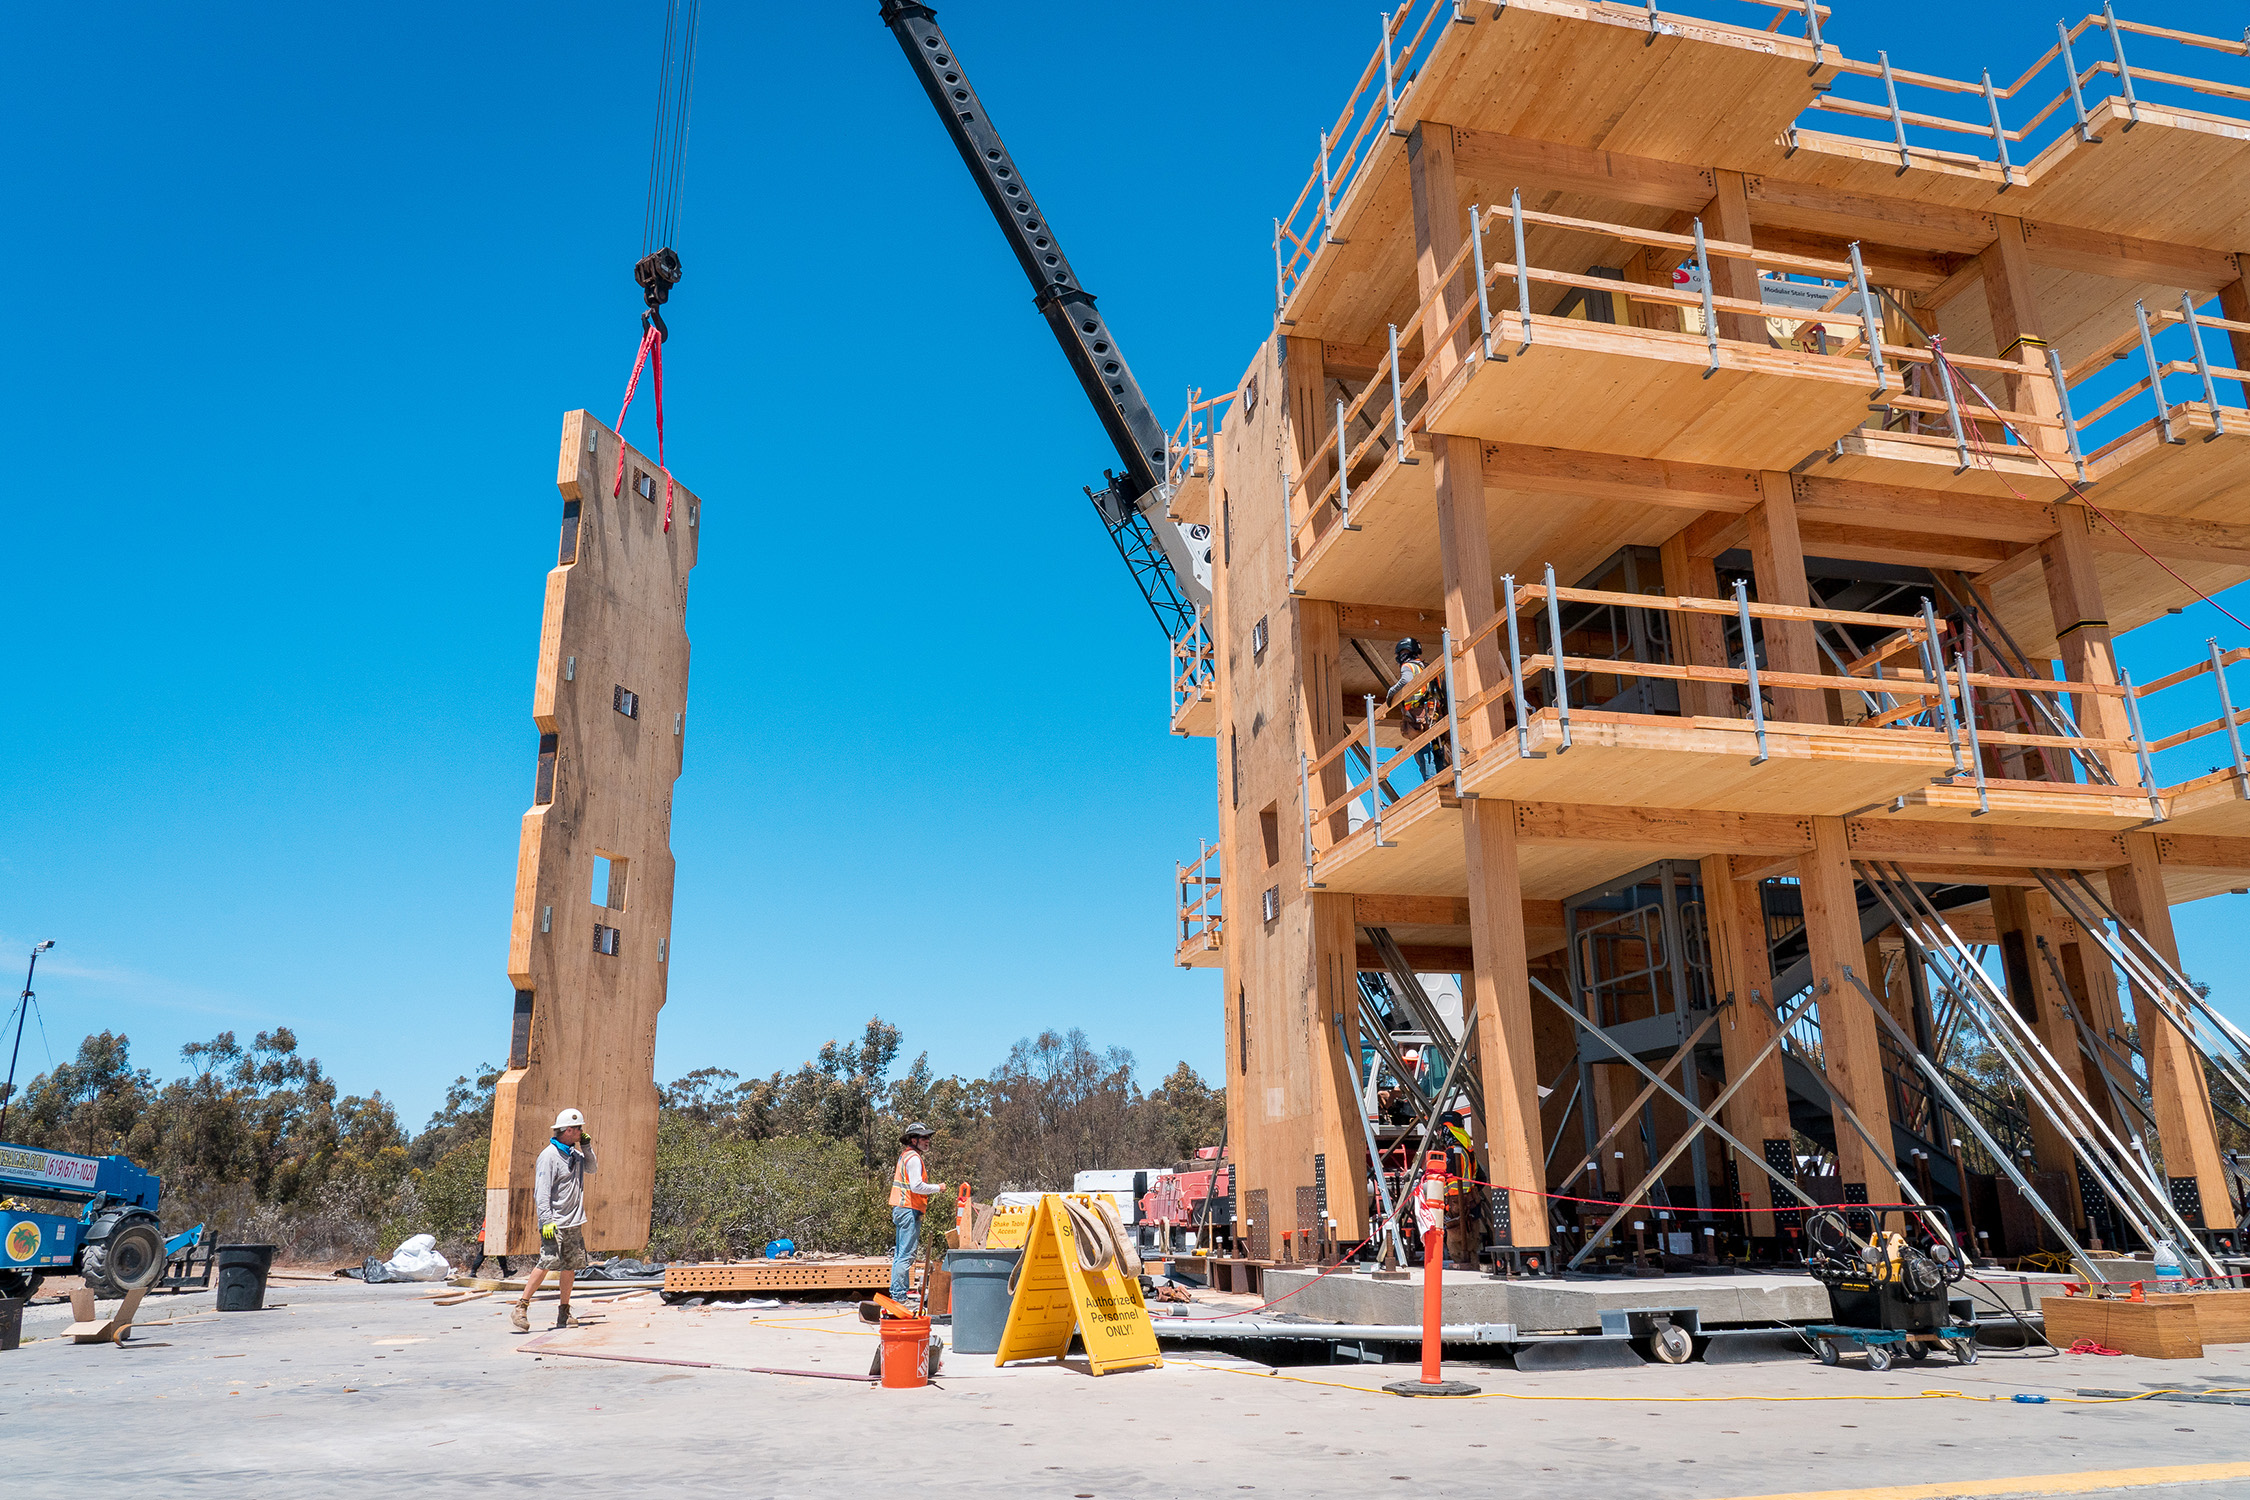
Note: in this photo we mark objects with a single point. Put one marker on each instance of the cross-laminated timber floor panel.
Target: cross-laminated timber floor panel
(1559, 507)
(1649, 393)
(1422, 853)
(1629, 760)
(2026, 804)
(1589, 76)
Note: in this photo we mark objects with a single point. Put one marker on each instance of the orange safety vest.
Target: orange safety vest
(900, 1197)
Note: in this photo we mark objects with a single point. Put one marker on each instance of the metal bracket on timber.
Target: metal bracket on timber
(589, 965)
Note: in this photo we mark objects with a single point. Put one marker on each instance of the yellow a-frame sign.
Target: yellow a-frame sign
(1054, 1297)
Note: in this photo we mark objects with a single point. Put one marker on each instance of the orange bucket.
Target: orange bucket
(906, 1353)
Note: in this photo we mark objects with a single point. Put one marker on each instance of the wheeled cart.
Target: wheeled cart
(1884, 1344)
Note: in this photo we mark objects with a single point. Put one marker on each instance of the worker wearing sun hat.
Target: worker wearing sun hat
(559, 1193)
(910, 1194)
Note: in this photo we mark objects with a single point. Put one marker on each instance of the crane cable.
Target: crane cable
(658, 269)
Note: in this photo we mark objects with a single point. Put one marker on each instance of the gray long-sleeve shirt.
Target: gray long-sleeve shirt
(558, 1185)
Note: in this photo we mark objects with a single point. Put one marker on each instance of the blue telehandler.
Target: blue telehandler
(113, 1242)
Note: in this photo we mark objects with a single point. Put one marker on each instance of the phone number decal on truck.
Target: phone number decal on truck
(48, 1166)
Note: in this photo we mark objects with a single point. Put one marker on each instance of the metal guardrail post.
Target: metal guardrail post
(1327, 201)
(2140, 746)
(1390, 94)
(1375, 778)
(1969, 717)
(2226, 706)
(2124, 74)
(1343, 472)
(1898, 120)
(1653, 26)
(1515, 670)
(1710, 316)
(1484, 307)
(1933, 667)
(1872, 329)
(2202, 366)
(1523, 278)
(1400, 452)
(1812, 30)
(1999, 134)
(1453, 719)
(1554, 656)
(1750, 668)
(2155, 377)
(2062, 399)
(2077, 96)
(1952, 402)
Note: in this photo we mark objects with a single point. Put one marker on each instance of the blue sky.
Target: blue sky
(301, 295)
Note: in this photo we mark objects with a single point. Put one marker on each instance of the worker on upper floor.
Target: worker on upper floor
(1420, 707)
(558, 1192)
(910, 1194)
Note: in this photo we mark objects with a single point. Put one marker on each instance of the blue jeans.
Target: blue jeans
(906, 1227)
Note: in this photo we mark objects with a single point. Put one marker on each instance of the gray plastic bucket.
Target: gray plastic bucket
(980, 1297)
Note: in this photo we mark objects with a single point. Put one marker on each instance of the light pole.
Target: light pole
(22, 1005)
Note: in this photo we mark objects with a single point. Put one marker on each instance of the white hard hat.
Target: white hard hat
(568, 1118)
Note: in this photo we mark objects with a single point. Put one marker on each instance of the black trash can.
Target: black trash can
(242, 1276)
(980, 1297)
(11, 1323)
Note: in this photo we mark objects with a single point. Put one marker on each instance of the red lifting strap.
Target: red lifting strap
(651, 355)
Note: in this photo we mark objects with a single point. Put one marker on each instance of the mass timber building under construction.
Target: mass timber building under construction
(1766, 469)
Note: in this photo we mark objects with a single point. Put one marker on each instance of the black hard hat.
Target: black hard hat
(1408, 647)
(914, 1130)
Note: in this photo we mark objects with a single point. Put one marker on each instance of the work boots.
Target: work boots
(519, 1316)
(562, 1315)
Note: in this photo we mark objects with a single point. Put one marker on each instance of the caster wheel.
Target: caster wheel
(1878, 1357)
(1917, 1352)
(1672, 1345)
(1964, 1351)
(1827, 1348)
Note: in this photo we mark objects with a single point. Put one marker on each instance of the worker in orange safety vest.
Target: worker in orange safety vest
(910, 1194)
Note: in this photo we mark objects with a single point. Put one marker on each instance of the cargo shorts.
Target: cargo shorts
(566, 1251)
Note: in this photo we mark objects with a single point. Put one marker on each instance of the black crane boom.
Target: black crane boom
(1155, 551)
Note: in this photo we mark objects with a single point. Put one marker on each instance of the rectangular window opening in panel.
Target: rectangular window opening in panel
(609, 881)
(543, 789)
(606, 939)
(627, 702)
(1269, 831)
(519, 1036)
(569, 550)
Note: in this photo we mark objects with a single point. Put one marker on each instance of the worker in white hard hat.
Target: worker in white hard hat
(558, 1192)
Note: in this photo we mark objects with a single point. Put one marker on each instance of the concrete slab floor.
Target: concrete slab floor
(354, 1390)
